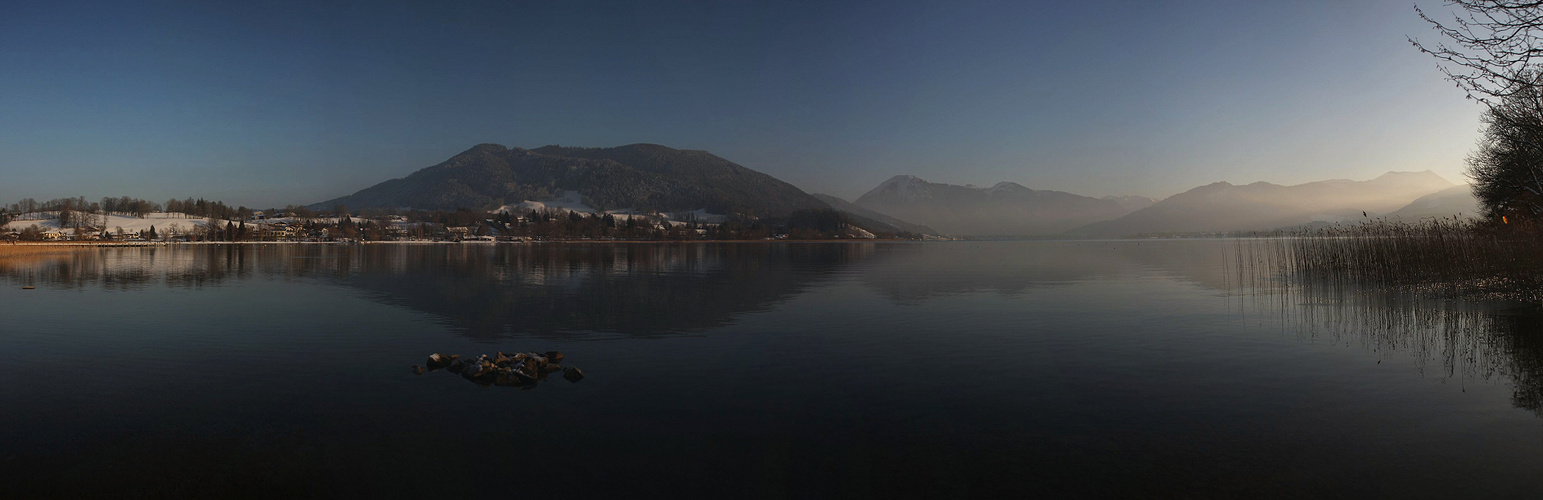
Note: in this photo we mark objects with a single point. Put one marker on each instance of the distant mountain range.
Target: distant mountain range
(1006, 209)
(1222, 206)
(654, 178)
(644, 177)
(1131, 202)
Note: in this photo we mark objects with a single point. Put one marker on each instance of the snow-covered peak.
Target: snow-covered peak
(1007, 186)
(902, 180)
(904, 187)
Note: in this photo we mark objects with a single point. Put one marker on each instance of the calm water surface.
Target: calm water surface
(948, 370)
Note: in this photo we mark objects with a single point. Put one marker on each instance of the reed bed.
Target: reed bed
(1448, 257)
(1384, 284)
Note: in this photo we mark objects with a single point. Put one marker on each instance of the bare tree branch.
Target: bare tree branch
(1494, 42)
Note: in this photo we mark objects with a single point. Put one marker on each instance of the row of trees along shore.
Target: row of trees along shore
(1493, 52)
(65, 208)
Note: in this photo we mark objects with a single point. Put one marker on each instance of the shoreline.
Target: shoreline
(19, 248)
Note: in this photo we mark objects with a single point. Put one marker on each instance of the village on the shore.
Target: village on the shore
(128, 220)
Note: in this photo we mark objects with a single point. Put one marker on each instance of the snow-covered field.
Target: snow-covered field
(571, 201)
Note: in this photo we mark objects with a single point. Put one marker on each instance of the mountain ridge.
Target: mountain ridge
(840, 204)
(1004, 209)
(1223, 206)
(1456, 201)
(644, 177)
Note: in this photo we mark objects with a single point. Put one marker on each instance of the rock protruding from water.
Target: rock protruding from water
(437, 360)
(521, 369)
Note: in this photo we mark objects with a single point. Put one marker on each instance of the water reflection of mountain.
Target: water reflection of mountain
(490, 292)
(909, 274)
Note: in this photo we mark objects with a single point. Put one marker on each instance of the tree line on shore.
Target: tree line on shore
(68, 209)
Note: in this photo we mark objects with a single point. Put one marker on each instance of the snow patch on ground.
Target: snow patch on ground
(570, 201)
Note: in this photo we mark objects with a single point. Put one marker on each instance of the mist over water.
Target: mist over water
(959, 369)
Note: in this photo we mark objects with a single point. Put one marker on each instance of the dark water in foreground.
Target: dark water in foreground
(945, 370)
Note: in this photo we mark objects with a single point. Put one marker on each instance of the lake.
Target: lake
(851, 370)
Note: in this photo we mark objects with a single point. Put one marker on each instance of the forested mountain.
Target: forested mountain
(1006, 209)
(643, 177)
(1222, 206)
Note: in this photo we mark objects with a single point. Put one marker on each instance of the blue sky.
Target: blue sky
(268, 103)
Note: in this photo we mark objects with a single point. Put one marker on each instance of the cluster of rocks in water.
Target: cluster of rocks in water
(521, 369)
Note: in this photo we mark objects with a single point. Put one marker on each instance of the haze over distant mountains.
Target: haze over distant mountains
(1006, 209)
(1222, 206)
(654, 178)
(851, 208)
(1456, 200)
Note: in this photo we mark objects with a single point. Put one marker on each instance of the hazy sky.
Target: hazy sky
(267, 103)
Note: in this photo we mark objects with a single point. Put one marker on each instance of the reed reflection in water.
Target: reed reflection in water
(1468, 340)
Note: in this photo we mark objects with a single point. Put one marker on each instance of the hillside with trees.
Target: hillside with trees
(640, 177)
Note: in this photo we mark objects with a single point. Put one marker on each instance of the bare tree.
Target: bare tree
(1496, 57)
(211, 229)
(1497, 46)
